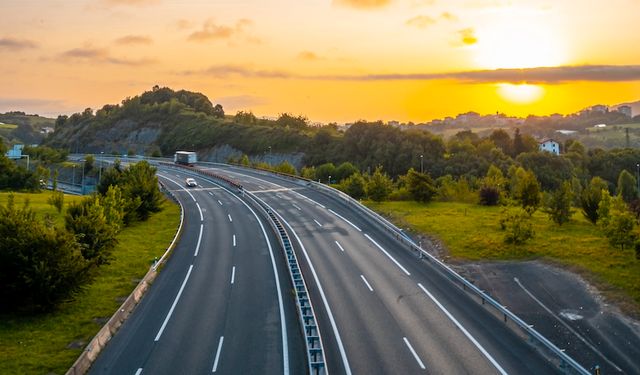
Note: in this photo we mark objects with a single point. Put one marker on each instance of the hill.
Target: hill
(19, 127)
(161, 121)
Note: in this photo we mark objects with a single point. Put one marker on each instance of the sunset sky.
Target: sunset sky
(330, 60)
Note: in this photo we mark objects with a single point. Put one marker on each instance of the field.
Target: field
(50, 343)
(8, 126)
(472, 232)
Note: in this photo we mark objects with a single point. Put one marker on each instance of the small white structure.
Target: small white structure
(600, 126)
(550, 145)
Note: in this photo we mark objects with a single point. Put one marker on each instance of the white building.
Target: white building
(550, 145)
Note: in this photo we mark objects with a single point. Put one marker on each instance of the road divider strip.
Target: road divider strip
(388, 255)
(215, 361)
(174, 304)
(415, 355)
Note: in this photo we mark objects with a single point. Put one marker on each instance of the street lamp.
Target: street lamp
(73, 176)
(329, 179)
(421, 163)
(638, 178)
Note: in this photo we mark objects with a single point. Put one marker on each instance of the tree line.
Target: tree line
(43, 265)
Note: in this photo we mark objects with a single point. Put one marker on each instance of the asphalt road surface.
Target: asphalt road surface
(380, 309)
(222, 304)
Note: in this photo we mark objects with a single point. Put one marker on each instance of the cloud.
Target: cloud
(211, 31)
(420, 22)
(544, 75)
(183, 24)
(242, 101)
(225, 71)
(468, 36)
(448, 16)
(308, 56)
(134, 39)
(101, 56)
(47, 107)
(362, 4)
(14, 44)
(132, 2)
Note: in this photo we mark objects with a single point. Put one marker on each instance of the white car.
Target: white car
(190, 182)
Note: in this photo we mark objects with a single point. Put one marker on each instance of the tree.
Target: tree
(627, 187)
(56, 200)
(139, 185)
(93, 231)
(354, 185)
(491, 187)
(344, 170)
(324, 171)
(518, 144)
(218, 111)
(516, 222)
(619, 228)
(558, 204)
(379, 185)
(420, 186)
(591, 197)
(526, 189)
(40, 265)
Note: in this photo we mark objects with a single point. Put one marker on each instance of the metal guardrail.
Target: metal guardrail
(306, 313)
(566, 363)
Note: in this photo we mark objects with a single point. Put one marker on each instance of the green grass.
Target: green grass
(40, 344)
(472, 232)
(38, 202)
(8, 126)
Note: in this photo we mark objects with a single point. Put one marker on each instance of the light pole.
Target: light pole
(421, 163)
(73, 176)
(329, 179)
(638, 178)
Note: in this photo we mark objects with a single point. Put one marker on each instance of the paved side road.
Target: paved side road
(563, 307)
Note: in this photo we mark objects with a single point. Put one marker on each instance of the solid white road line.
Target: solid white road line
(415, 355)
(233, 274)
(173, 306)
(348, 222)
(317, 222)
(200, 210)
(297, 208)
(464, 331)
(334, 326)
(341, 249)
(215, 361)
(195, 254)
(367, 283)
(139, 371)
(220, 203)
(234, 240)
(388, 255)
(283, 325)
(230, 219)
(179, 184)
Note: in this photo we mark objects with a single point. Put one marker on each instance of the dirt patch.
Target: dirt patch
(77, 344)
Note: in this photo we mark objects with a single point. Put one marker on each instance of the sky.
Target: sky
(328, 60)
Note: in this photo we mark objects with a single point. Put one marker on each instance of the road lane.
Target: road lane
(407, 310)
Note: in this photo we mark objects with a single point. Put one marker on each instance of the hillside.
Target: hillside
(161, 121)
(18, 127)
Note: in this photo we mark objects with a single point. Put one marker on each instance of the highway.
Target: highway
(222, 303)
(380, 309)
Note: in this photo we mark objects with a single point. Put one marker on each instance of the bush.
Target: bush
(558, 204)
(56, 200)
(354, 185)
(40, 265)
(516, 222)
(379, 186)
(489, 195)
(420, 186)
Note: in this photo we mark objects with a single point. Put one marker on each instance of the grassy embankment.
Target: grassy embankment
(471, 232)
(50, 343)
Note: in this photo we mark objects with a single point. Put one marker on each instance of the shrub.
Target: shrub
(516, 222)
(489, 195)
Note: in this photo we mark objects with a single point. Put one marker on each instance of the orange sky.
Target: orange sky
(330, 60)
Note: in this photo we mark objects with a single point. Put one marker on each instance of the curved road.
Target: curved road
(217, 306)
(381, 310)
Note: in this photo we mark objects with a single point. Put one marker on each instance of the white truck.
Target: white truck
(185, 157)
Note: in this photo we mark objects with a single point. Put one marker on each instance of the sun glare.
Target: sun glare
(515, 43)
(521, 93)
